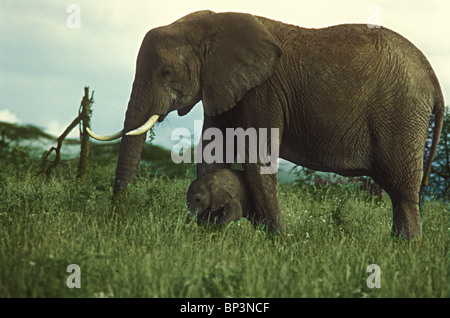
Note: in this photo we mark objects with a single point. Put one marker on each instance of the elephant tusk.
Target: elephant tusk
(145, 127)
(104, 138)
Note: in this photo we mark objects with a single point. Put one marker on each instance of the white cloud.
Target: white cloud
(7, 116)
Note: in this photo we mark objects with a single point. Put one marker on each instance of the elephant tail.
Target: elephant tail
(439, 112)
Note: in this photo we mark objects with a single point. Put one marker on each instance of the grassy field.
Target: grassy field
(151, 249)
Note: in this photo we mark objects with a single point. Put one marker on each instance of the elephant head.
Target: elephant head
(213, 57)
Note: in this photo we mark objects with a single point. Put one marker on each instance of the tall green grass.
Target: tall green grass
(147, 247)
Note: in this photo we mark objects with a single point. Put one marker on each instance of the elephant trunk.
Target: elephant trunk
(130, 153)
(131, 147)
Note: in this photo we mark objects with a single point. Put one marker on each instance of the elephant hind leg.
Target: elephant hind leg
(403, 187)
(406, 218)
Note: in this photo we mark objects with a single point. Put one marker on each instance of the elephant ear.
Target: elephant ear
(239, 53)
(185, 110)
(223, 189)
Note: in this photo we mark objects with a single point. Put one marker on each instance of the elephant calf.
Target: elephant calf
(219, 197)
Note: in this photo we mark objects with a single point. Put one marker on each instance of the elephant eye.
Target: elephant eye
(197, 199)
(167, 73)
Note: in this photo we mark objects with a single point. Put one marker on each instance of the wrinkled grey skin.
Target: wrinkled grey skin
(219, 197)
(347, 99)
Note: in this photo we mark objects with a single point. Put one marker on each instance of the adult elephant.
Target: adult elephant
(348, 99)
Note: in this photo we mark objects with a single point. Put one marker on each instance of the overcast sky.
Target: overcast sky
(47, 54)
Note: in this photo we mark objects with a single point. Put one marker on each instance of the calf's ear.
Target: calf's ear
(223, 190)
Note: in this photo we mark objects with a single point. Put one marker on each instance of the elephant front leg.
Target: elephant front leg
(264, 191)
(232, 211)
(211, 152)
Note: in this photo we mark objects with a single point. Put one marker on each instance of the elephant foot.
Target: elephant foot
(406, 232)
(406, 221)
(273, 227)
